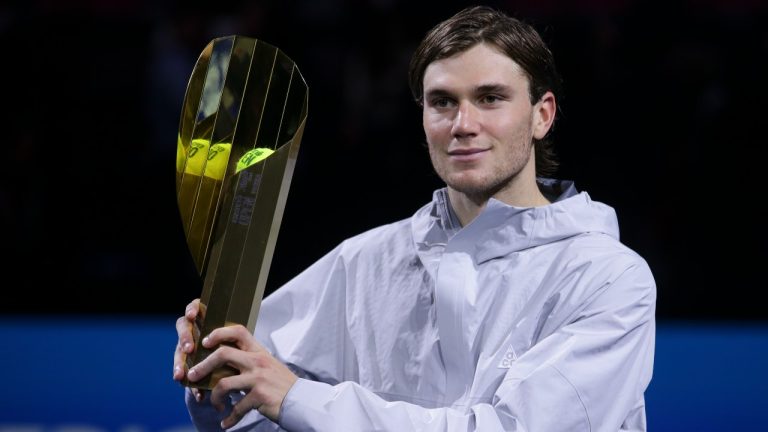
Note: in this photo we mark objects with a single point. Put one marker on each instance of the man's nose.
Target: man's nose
(466, 122)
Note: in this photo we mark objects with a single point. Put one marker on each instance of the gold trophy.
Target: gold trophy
(241, 124)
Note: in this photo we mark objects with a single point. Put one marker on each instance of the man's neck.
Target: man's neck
(515, 193)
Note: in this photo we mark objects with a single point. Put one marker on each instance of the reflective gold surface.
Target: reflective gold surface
(241, 125)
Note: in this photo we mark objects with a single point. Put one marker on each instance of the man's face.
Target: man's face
(479, 121)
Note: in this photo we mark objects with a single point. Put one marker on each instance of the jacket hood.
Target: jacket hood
(501, 229)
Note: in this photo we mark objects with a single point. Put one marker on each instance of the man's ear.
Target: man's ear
(544, 115)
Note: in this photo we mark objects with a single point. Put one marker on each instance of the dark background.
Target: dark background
(662, 118)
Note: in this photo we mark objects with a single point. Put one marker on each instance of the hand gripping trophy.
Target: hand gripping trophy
(241, 124)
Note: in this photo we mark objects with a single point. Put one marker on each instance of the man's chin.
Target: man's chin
(477, 189)
(473, 189)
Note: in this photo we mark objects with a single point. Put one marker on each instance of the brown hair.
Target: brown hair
(518, 40)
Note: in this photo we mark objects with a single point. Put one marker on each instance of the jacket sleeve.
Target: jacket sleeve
(587, 375)
(205, 417)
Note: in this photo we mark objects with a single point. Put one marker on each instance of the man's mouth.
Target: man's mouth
(466, 151)
(467, 154)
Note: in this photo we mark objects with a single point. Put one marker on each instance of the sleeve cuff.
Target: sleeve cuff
(304, 407)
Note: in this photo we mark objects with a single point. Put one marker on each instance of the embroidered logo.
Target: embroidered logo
(509, 357)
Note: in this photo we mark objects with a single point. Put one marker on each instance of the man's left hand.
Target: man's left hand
(263, 378)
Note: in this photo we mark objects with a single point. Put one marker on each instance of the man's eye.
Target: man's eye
(489, 99)
(441, 102)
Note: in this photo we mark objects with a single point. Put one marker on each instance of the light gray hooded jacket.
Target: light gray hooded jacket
(527, 319)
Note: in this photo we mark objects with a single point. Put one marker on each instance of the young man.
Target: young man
(507, 303)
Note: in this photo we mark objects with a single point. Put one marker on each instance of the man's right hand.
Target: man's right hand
(186, 343)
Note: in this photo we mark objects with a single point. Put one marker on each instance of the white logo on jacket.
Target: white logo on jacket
(509, 357)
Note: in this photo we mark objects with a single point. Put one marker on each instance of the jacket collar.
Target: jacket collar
(501, 229)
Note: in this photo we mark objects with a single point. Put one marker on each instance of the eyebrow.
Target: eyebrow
(493, 88)
(481, 89)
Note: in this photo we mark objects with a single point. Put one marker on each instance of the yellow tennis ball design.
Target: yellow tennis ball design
(196, 156)
(253, 156)
(218, 156)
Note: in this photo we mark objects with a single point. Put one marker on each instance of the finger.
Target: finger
(235, 334)
(178, 364)
(193, 308)
(199, 394)
(228, 356)
(225, 386)
(183, 347)
(239, 410)
(185, 344)
(184, 332)
(223, 355)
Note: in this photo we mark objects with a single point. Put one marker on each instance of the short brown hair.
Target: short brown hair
(518, 40)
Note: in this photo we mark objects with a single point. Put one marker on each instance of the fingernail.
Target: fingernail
(198, 396)
(205, 341)
(192, 374)
(187, 347)
(176, 370)
(222, 425)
